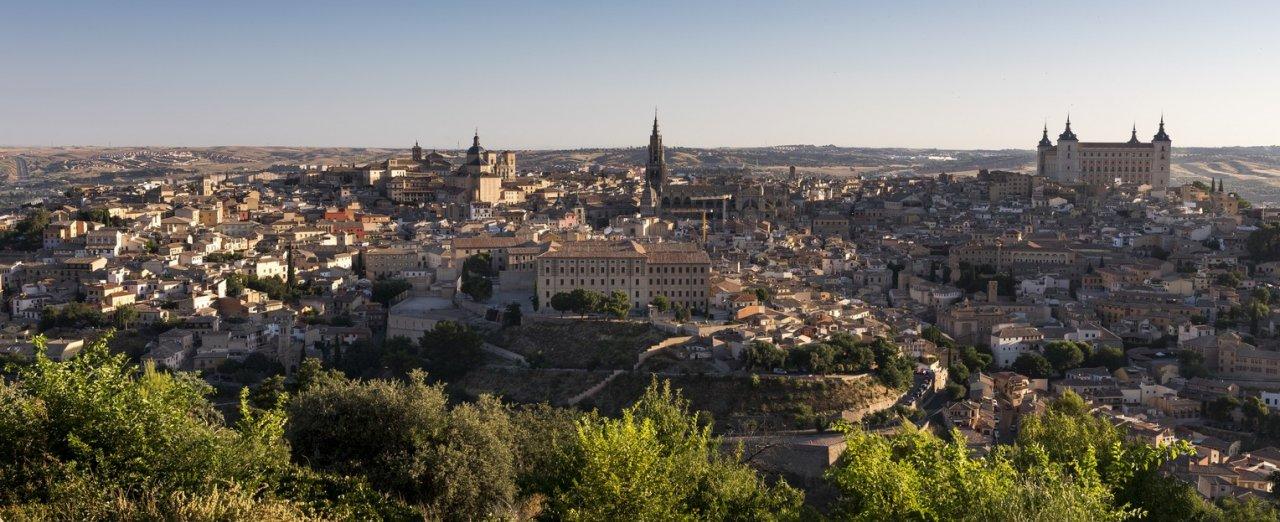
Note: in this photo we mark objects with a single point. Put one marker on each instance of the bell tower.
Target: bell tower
(655, 171)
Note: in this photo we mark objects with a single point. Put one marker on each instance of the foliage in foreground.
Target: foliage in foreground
(95, 438)
(1067, 464)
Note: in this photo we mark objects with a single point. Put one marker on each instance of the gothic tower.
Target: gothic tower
(655, 172)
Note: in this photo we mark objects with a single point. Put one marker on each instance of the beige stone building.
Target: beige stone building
(679, 271)
(388, 262)
(1101, 164)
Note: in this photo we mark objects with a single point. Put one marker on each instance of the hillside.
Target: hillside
(1252, 171)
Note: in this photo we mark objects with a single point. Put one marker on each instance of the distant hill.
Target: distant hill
(1252, 171)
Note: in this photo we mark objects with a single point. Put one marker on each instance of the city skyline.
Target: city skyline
(580, 75)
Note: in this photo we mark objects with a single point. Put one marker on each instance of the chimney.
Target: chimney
(992, 287)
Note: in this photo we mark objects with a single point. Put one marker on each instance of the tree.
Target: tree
(661, 303)
(1263, 244)
(72, 315)
(659, 461)
(125, 315)
(1111, 357)
(97, 438)
(386, 290)
(512, 316)
(1254, 410)
(235, 285)
(480, 288)
(451, 349)
(1191, 364)
(763, 355)
(1221, 408)
(1033, 365)
(973, 359)
(763, 294)
(477, 272)
(892, 369)
(682, 313)
(1069, 435)
(561, 302)
(582, 301)
(407, 440)
(914, 475)
(1256, 311)
(1063, 355)
(617, 304)
(958, 373)
(1228, 279)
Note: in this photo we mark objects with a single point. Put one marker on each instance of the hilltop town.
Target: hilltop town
(780, 301)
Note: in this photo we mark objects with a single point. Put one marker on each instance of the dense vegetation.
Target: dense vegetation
(27, 233)
(1264, 243)
(477, 277)
(96, 438)
(842, 353)
(616, 304)
(1066, 465)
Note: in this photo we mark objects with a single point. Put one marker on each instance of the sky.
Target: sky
(561, 74)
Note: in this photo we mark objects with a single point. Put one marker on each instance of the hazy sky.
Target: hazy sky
(546, 74)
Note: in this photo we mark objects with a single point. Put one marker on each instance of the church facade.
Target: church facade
(1106, 164)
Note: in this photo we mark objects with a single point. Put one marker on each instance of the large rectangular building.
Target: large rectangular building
(679, 271)
(1102, 164)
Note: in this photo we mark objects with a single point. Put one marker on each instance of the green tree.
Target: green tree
(763, 355)
(1254, 410)
(617, 304)
(477, 274)
(386, 290)
(456, 462)
(661, 303)
(1222, 408)
(584, 301)
(1064, 355)
(659, 461)
(1191, 364)
(125, 315)
(1033, 365)
(682, 313)
(914, 475)
(1256, 311)
(512, 316)
(1111, 357)
(1264, 243)
(451, 349)
(97, 438)
(562, 302)
(974, 360)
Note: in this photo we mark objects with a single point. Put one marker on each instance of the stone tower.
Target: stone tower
(655, 171)
(1162, 144)
(1068, 155)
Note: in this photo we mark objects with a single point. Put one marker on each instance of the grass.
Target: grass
(527, 385)
(589, 345)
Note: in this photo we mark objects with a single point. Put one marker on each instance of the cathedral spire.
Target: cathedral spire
(1044, 137)
(1133, 137)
